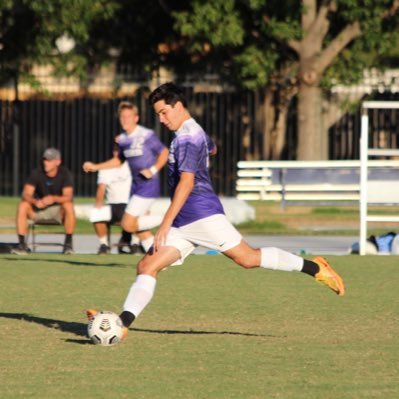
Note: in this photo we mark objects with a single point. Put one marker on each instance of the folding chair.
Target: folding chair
(33, 232)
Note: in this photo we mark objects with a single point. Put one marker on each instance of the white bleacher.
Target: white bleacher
(367, 186)
(269, 180)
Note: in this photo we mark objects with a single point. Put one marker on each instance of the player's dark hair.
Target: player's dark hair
(168, 92)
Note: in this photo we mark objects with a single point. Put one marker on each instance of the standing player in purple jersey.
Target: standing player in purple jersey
(146, 155)
(196, 217)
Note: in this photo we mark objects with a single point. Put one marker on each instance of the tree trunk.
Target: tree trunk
(274, 126)
(312, 135)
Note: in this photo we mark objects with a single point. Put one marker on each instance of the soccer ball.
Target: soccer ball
(105, 328)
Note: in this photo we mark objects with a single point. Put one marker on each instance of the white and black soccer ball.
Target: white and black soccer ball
(105, 328)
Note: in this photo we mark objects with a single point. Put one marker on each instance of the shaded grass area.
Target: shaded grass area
(213, 330)
(270, 219)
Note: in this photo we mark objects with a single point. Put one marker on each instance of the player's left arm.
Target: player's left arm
(183, 190)
(158, 165)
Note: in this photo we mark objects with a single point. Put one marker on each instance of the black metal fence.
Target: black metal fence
(83, 129)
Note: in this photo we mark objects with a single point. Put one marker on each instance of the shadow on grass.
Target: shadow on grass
(196, 332)
(68, 261)
(80, 329)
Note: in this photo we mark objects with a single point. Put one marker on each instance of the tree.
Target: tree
(30, 30)
(290, 48)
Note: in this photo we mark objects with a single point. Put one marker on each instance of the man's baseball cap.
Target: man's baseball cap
(51, 154)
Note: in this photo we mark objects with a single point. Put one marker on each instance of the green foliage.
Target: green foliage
(30, 29)
(254, 35)
(255, 66)
(217, 22)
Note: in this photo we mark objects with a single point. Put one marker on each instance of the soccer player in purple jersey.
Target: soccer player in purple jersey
(146, 155)
(196, 217)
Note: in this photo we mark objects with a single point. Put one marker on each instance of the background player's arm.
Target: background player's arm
(94, 167)
(183, 190)
(100, 195)
(159, 164)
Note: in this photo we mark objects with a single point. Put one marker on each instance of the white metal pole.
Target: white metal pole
(364, 144)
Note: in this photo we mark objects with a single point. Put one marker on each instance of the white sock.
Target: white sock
(103, 240)
(135, 239)
(140, 294)
(148, 222)
(147, 243)
(277, 259)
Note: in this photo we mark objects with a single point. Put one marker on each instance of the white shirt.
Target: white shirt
(118, 182)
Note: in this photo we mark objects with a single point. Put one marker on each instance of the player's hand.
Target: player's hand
(149, 173)
(160, 236)
(89, 167)
(39, 204)
(117, 138)
(146, 173)
(48, 200)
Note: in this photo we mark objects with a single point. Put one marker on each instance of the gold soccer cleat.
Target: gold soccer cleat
(328, 276)
(90, 313)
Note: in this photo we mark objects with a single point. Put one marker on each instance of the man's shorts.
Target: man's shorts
(117, 211)
(139, 206)
(214, 232)
(50, 213)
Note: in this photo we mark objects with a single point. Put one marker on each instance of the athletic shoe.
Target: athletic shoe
(103, 250)
(68, 250)
(122, 244)
(136, 249)
(124, 333)
(21, 249)
(328, 276)
(90, 313)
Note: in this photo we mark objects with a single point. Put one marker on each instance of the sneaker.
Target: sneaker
(103, 250)
(328, 276)
(21, 249)
(68, 250)
(90, 313)
(136, 249)
(121, 245)
(124, 333)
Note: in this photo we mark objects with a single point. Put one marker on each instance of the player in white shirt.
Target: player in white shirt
(113, 189)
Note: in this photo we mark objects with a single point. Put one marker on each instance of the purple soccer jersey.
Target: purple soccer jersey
(189, 152)
(141, 150)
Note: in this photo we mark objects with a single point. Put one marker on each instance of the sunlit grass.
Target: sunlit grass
(213, 330)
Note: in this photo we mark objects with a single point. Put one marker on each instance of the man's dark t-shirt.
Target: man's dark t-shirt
(45, 185)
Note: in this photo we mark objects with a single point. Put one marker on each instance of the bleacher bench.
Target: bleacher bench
(312, 180)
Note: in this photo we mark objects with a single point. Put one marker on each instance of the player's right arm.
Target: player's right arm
(94, 167)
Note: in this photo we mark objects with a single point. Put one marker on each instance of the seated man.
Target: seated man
(47, 195)
(113, 189)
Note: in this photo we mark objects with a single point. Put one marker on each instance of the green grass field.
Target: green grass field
(213, 330)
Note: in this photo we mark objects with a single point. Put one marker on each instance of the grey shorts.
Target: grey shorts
(48, 214)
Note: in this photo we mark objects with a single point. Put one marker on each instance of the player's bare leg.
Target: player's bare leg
(278, 259)
(142, 290)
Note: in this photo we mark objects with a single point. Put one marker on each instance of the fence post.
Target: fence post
(15, 131)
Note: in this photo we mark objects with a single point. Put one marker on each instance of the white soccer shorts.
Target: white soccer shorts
(214, 232)
(139, 206)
